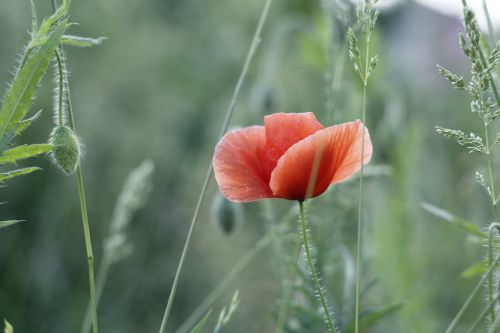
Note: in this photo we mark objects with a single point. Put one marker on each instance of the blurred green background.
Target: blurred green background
(159, 87)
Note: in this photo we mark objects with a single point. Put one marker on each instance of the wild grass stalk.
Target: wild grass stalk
(367, 17)
(232, 105)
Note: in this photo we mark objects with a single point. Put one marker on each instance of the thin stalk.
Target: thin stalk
(492, 228)
(483, 314)
(491, 28)
(490, 172)
(361, 174)
(471, 296)
(83, 207)
(60, 97)
(102, 274)
(229, 115)
(314, 273)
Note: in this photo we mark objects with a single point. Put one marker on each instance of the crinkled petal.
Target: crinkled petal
(237, 165)
(283, 130)
(328, 156)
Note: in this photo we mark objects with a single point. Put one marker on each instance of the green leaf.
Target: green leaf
(81, 41)
(370, 318)
(465, 226)
(21, 152)
(4, 224)
(8, 327)
(24, 124)
(18, 172)
(477, 269)
(19, 97)
(202, 322)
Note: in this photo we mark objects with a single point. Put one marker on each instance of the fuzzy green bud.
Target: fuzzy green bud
(67, 151)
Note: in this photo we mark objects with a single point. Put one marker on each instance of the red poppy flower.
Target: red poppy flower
(291, 157)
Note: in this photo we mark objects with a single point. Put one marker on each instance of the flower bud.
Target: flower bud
(226, 214)
(67, 151)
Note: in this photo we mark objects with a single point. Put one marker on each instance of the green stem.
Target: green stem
(490, 172)
(314, 273)
(232, 106)
(102, 274)
(85, 219)
(60, 99)
(492, 228)
(491, 28)
(360, 206)
(471, 296)
(483, 314)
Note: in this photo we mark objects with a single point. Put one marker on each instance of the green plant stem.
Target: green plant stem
(313, 270)
(483, 314)
(491, 28)
(85, 219)
(468, 301)
(361, 174)
(229, 114)
(60, 100)
(492, 228)
(102, 274)
(490, 171)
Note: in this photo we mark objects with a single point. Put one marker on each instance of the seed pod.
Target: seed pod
(226, 214)
(67, 151)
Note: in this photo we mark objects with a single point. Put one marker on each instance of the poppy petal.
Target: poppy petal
(237, 166)
(283, 130)
(335, 155)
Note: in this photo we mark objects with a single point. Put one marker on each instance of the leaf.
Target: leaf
(8, 327)
(81, 41)
(370, 318)
(4, 224)
(476, 269)
(467, 227)
(24, 124)
(201, 323)
(21, 152)
(19, 97)
(18, 172)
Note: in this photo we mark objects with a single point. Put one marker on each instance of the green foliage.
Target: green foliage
(472, 142)
(4, 224)
(79, 41)
(372, 317)
(467, 227)
(8, 327)
(202, 322)
(226, 315)
(22, 152)
(18, 172)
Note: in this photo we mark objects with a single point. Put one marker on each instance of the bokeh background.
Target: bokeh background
(158, 89)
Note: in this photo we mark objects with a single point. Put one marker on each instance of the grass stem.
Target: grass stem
(361, 174)
(229, 114)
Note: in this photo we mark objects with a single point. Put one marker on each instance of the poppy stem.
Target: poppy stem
(64, 89)
(315, 272)
(85, 218)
